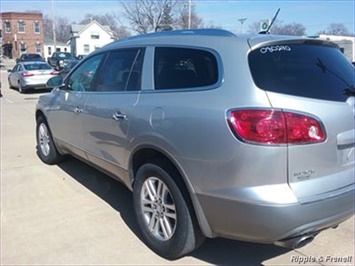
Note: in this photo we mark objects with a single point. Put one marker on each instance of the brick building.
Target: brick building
(22, 32)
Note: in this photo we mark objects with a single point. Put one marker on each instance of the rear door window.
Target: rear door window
(121, 71)
(306, 70)
(179, 68)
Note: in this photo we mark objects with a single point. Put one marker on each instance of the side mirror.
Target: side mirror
(9, 71)
(53, 82)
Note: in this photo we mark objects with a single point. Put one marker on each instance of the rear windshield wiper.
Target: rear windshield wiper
(350, 91)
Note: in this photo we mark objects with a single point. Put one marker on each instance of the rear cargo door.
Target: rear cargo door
(314, 79)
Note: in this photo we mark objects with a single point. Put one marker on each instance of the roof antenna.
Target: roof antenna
(267, 31)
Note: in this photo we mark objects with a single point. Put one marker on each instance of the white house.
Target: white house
(49, 47)
(87, 38)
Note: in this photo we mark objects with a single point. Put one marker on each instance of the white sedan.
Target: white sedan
(30, 75)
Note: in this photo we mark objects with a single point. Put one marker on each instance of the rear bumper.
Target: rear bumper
(34, 85)
(246, 214)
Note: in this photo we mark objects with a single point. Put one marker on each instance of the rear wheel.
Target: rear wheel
(20, 88)
(10, 85)
(47, 151)
(165, 218)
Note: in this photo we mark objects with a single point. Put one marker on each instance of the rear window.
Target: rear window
(305, 70)
(33, 56)
(37, 66)
(179, 68)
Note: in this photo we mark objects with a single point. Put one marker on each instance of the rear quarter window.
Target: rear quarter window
(179, 68)
(305, 70)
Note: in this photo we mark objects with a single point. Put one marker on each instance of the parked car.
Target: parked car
(29, 57)
(66, 69)
(80, 56)
(217, 135)
(30, 75)
(59, 60)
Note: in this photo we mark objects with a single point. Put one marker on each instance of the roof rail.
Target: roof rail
(192, 32)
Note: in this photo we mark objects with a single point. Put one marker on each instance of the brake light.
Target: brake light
(26, 74)
(54, 73)
(275, 127)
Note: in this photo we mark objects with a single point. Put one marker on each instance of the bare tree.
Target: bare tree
(147, 15)
(278, 27)
(254, 28)
(296, 29)
(108, 20)
(167, 19)
(62, 28)
(48, 27)
(337, 29)
(121, 32)
(187, 17)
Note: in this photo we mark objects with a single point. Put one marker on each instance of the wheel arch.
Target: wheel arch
(39, 113)
(149, 154)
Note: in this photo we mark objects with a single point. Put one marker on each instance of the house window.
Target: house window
(37, 27)
(7, 27)
(86, 48)
(21, 26)
(38, 48)
(22, 47)
(49, 50)
(95, 35)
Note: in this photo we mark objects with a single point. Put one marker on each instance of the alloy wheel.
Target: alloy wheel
(158, 208)
(44, 139)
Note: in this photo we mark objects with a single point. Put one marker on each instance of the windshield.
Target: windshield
(64, 55)
(305, 70)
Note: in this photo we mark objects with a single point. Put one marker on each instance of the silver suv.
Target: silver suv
(249, 138)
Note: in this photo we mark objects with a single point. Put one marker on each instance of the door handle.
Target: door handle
(118, 116)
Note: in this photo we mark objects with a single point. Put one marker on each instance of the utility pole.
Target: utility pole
(189, 23)
(242, 20)
(53, 28)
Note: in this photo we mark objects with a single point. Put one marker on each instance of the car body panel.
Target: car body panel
(67, 106)
(321, 168)
(241, 190)
(106, 125)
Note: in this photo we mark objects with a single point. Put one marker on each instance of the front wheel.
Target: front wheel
(165, 217)
(46, 149)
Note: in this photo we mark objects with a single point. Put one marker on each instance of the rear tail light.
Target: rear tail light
(54, 73)
(275, 127)
(26, 74)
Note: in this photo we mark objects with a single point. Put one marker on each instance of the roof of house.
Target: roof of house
(78, 28)
(49, 41)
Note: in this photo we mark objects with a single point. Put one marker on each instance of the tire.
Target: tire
(46, 149)
(10, 85)
(165, 218)
(20, 88)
